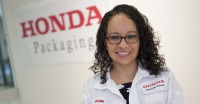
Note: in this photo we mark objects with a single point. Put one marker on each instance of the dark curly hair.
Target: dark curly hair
(148, 55)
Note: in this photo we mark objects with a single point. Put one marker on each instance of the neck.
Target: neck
(123, 73)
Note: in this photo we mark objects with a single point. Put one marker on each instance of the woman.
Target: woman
(128, 67)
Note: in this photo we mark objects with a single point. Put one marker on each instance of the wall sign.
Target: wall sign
(59, 31)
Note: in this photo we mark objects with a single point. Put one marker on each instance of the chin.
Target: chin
(124, 63)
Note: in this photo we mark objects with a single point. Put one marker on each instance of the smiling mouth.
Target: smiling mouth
(123, 54)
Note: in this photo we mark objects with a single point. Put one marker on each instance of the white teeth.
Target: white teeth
(123, 53)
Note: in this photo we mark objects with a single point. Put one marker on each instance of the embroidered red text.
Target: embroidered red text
(99, 101)
(154, 84)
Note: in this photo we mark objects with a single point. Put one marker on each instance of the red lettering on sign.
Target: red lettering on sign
(81, 18)
(44, 25)
(97, 15)
(54, 20)
(26, 29)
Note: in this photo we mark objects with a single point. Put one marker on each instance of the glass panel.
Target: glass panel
(5, 69)
(1, 77)
(14, 101)
(6, 78)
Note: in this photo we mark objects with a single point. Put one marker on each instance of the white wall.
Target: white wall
(176, 21)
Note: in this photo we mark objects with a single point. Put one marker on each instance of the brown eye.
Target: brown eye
(131, 36)
(114, 37)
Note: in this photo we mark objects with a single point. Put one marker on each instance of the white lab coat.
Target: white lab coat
(145, 89)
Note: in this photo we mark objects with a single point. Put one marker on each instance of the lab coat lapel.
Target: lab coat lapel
(110, 85)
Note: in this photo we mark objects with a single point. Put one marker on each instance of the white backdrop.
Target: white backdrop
(176, 22)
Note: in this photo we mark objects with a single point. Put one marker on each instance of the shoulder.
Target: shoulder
(92, 81)
(164, 76)
(167, 73)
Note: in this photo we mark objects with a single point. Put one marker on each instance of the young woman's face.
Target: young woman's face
(122, 53)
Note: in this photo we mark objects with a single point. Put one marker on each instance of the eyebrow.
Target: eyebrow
(114, 33)
(132, 32)
(120, 33)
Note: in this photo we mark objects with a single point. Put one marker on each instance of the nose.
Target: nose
(123, 43)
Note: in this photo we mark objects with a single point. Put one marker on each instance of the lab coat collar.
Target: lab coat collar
(142, 72)
(110, 85)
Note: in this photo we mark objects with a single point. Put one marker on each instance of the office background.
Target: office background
(176, 22)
